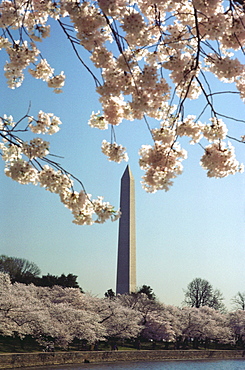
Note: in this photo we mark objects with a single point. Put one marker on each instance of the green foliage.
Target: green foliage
(28, 344)
(66, 281)
(110, 294)
(15, 344)
(147, 290)
(22, 271)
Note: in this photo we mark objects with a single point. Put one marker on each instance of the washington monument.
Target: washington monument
(126, 260)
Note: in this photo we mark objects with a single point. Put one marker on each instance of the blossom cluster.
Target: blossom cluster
(162, 161)
(83, 208)
(22, 172)
(22, 55)
(162, 164)
(114, 152)
(49, 176)
(219, 160)
(189, 127)
(36, 148)
(98, 121)
(46, 123)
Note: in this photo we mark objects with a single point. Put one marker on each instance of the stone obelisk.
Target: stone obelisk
(126, 260)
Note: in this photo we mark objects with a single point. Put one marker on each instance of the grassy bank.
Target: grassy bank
(29, 345)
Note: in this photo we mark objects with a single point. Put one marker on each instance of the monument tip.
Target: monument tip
(127, 172)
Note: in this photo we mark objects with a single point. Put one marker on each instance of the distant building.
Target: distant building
(126, 260)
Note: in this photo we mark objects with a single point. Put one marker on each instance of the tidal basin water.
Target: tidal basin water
(158, 365)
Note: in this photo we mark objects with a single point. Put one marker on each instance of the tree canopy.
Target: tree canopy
(66, 281)
(150, 61)
(62, 315)
(200, 293)
(148, 291)
(23, 271)
(110, 294)
(239, 300)
(19, 269)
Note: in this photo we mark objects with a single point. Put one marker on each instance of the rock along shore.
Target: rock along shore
(21, 360)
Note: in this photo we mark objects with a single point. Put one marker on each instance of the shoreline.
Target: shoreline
(25, 360)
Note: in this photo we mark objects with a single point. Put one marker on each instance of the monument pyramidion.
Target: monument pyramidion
(126, 260)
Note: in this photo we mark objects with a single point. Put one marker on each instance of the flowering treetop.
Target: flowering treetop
(64, 314)
(150, 58)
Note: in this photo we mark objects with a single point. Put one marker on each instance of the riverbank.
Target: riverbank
(22, 360)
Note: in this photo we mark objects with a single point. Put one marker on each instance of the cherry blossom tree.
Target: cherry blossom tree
(21, 311)
(121, 322)
(206, 324)
(151, 60)
(139, 302)
(73, 314)
(61, 315)
(70, 323)
(45, 313)
(155, 320)
(158, 325)
(237, 325)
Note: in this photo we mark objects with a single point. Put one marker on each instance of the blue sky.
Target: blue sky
(194, 230)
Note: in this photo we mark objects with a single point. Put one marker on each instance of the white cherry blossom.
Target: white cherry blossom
(219, 160)
(36, 148)
(115, 152)
(98, 121)
(21, 171)
(162, 164)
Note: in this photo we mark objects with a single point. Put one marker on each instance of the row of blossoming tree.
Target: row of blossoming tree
(62, 315)
(150, 59)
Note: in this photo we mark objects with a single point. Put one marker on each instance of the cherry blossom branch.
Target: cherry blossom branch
(74, 41)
